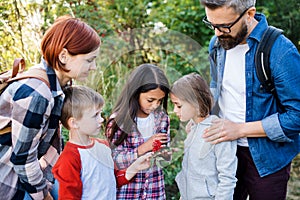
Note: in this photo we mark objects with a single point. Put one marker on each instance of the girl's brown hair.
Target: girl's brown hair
(144, 78)
(69, 33)
(193, 89)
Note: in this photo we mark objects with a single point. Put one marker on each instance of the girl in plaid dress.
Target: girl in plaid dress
(137, 121)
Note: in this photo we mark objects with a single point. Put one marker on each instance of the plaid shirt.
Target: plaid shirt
(147, 184)
(29, 152)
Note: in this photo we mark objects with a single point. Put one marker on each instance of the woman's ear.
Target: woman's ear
(72, 123)
(63, 56)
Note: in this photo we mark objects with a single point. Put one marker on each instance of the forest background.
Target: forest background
(168, 33)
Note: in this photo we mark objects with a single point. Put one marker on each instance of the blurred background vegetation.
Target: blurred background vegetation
(167, 33)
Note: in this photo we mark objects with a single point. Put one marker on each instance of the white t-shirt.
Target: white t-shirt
(146, 126)
(232, 99)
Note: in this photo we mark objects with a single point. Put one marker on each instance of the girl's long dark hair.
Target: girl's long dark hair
(144, 78)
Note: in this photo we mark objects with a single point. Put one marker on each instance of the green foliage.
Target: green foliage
(283, 15)
(183, 16)
(178, 135)
(294, 183)
(19, 32)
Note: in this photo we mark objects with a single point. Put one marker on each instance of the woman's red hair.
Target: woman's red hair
(70, 33)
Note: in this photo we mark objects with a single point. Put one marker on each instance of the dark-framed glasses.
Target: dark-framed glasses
(223, 28)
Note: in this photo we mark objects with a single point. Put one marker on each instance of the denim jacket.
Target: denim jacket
(282, 126)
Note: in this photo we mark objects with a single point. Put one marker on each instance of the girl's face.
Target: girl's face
(149, 101)
(80, 65)
(184, 110)
(90, 122)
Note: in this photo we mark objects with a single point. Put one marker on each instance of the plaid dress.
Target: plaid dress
(147, 184)
(29, 152)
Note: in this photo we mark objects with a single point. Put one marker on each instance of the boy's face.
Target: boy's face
(90, 123)
(184, 110)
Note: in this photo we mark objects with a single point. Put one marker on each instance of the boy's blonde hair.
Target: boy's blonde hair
(77, 100)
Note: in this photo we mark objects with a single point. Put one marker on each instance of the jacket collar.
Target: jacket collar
(258, 31)
(54, 83)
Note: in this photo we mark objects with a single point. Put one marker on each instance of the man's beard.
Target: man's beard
(229, 42)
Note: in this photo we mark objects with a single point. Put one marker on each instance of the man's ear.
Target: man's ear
(63, 56)
(251, 12)
(72, 123)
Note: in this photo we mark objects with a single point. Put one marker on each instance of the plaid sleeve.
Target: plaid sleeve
(125, 153)
(162, 124)
(29, 116)
(147, 184)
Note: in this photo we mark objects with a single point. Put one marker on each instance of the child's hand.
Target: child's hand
(162, 157)
(188, 127)
(165, 153)
(141, 163)
(162, 137)
(148, 145)
(48, 197)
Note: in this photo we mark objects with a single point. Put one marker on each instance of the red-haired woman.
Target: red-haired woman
(32, 109)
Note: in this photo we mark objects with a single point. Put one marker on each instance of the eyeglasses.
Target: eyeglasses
(223, 28)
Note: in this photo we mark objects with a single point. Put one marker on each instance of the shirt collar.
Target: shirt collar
(259, 29)
(54, 83)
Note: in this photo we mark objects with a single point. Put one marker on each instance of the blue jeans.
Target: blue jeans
(53, 192)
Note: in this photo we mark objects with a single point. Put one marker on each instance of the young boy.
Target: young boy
(85, 169)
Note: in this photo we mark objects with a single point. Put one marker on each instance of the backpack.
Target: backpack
(262, 56)
(17, 73)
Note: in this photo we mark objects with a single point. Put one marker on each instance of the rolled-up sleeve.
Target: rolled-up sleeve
(273, 129)
(285, 124)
